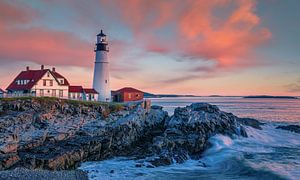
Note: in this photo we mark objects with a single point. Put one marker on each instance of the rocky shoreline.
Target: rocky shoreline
(26, 174)
(54, 134)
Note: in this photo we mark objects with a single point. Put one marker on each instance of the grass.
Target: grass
(109, 106)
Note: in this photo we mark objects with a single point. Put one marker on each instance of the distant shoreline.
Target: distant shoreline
(150, 95)
(270, 97)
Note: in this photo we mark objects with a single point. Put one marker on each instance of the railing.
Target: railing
(15, 95)
(18, 95)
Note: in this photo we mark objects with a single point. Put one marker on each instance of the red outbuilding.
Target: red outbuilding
(128, 94)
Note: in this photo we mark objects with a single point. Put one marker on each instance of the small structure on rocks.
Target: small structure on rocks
(80, 93)
(128, 94)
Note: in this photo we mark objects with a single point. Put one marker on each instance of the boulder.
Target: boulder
(292, 128)
(251, 122)
(58, 134)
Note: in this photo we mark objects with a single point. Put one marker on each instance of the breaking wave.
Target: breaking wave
(265, 154)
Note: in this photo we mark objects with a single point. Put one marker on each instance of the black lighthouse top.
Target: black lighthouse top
(101, 44)
(101, 33)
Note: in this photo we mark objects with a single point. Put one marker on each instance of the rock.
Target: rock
(156, 107)
(8, 160)
(292, 128)
(204, 107)
(25, 174)
(250, 122)
(188, 130)
(58, 134)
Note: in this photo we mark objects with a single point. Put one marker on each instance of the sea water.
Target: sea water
(266, 154)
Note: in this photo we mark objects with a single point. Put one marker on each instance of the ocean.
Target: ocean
(266, 154)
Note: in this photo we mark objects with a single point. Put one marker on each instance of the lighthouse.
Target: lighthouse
(101, 69)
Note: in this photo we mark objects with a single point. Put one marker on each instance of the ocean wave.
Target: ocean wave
(266, 154)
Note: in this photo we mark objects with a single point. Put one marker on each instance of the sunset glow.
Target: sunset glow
(225, 47)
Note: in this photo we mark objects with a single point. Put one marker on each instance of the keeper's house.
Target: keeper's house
(44, 82)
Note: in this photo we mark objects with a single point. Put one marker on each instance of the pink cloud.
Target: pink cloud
(199, 31)
(38, 44)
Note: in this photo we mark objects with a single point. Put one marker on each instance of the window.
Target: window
(61, 93)
(129, 95)
(106, 81)
(137, 95)
(44, 82)
(42, 92)
(61, 81)
(51, 82)
(48, 74)
(54, 93)
(48, 91)
(18, 82)
(74, 97)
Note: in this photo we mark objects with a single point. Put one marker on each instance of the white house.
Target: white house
(80, 93)
(42, 82)
(46, 82)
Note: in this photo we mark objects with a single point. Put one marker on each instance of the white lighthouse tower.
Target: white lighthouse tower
(101, 69)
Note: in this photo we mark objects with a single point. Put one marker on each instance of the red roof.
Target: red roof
(59, 76)
(33, 76)
(80, 89)
(128, 89)
(75, 89)
(90, 91)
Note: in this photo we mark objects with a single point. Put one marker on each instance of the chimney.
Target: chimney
(53, 69)
(27, 68)
(42, 67)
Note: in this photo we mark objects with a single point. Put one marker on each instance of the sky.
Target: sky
(200, 47)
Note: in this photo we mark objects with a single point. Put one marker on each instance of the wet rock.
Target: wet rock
(292, 128)
(251, 122)
(188, 130)
(57, 135)
(156, 107)
(8, 160)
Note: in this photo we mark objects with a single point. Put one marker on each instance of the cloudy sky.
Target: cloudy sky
(202, 47)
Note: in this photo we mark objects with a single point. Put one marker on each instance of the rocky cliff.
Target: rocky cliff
(48, 133)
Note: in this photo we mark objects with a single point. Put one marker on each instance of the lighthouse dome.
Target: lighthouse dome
(101, 33)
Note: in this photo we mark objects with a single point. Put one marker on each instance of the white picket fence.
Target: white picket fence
(18, 95)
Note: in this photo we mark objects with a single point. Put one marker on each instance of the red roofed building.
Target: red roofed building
(128, 94)
(42, 82)
(80, 93)
(46, 82)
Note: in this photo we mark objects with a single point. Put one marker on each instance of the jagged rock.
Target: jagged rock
(188, 130)
(57, 134)
(156, 107)
(250, 122)
(8, 160)
(292, 128)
